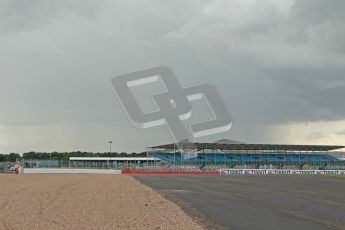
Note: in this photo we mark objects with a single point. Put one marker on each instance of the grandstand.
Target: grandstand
(233, 153)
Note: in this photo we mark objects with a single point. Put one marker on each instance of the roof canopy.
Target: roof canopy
(258, 147)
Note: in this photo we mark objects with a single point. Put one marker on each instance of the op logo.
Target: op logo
(174, 104)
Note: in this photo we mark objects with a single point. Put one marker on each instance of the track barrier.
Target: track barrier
(185, 172)
(170, 172)
(68, 171)
(279, 172)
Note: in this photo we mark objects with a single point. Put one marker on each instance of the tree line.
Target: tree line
(12, 157)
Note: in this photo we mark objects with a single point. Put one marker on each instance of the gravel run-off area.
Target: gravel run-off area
(85, 202)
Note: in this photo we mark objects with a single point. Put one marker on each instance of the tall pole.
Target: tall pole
(174, 156)
(110, 142)
(147, 158)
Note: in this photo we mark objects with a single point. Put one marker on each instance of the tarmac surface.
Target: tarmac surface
(256, 202)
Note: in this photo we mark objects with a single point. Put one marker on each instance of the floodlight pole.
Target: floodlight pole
(147, 157)
(174, 156)
(110, 142)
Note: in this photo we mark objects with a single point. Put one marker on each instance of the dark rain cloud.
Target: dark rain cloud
(274, 62)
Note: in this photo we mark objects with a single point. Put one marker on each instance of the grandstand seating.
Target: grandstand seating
(245, 158)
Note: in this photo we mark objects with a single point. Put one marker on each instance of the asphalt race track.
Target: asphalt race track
(257, 202)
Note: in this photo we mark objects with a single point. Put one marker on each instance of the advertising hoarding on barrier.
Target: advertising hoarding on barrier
(279, 172)
(176, 172)
(68, 171)
(219, 172)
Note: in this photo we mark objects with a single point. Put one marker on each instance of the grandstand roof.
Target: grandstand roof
(258, 147)
(227, 141)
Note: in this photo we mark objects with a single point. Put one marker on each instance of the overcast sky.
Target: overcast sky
(278, 64)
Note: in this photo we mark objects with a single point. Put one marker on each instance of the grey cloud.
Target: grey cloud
(341, 133)
(17, 15)
(272, 62)
(318, 11)
(316, 135)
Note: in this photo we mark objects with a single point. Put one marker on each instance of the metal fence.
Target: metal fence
(143, 165)
(32, 163)
(158, 165)
(7, 167)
